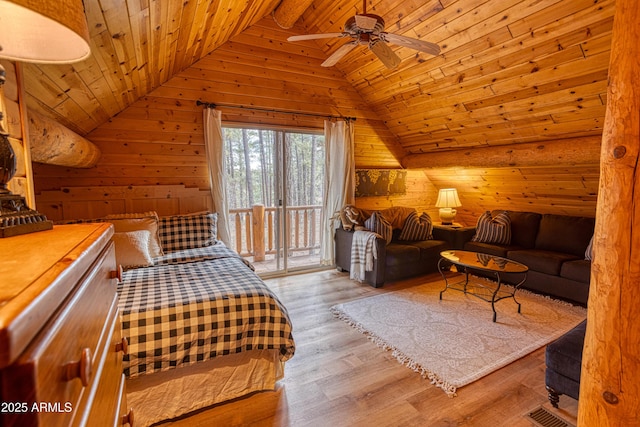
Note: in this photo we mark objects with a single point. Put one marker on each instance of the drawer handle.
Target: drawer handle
(123, 346)
(117, 274)
(128, 419)
(80, 369)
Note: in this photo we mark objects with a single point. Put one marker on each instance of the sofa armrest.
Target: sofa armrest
(343, 241)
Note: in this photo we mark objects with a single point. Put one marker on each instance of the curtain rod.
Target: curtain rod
(270, 110)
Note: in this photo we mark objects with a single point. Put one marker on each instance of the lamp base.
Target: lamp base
(16, 218)
(447, 215)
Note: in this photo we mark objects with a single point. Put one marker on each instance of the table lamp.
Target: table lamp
(40, 31)
(447, 199)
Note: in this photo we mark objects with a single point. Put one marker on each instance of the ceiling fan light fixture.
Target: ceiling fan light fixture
(368, 29)
(366, 23)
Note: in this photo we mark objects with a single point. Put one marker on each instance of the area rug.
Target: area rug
(454, 342)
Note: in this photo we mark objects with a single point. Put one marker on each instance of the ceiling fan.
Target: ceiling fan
(367, 28)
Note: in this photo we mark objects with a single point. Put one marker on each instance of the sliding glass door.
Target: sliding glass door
(275, 194)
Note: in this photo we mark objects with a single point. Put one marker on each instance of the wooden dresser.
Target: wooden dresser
(60, 339)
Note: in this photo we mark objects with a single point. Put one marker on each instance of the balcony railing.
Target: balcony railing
(254, 230)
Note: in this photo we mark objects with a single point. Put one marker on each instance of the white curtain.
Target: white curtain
(214, 147)
(339, 182)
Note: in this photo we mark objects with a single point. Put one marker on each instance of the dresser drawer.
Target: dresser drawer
(106, 396)
(55, 374)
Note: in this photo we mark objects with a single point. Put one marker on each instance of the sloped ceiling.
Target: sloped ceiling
(510, 71)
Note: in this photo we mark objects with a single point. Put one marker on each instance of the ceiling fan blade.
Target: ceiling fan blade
(385, 54)
(365, 22)
(338, 54)
(423, 46)
(316, 36)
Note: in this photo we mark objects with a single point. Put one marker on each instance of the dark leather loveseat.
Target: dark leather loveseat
(553, 247)
(399, 259)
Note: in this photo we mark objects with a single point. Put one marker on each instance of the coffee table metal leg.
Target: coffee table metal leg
(446, 282)
(493, 297)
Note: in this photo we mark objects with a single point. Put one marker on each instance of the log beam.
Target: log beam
(289, 11)
(570, 152)
(609, 386)
(54, 144)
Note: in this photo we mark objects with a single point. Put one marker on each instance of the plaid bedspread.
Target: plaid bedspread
(197, 304)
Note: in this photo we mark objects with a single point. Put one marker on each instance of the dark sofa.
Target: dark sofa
(553, 247)
(399, 259)
(563, 359)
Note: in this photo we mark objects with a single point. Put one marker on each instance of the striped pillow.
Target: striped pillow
(378, 224)
(417, 228)
(493, 230)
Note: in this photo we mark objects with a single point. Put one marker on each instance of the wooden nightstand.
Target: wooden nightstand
(455, 234)
(453, 225)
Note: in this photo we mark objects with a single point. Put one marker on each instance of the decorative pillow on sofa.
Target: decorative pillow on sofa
(417, 228)
(350, 217)
(378, 224)
(493, 230)
(188, 231)
(588, 254)
(139, 221)
(132, 249)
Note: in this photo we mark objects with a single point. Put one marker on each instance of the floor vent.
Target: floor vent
(543, 418)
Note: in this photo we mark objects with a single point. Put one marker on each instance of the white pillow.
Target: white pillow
(143, 221)
(132, 249)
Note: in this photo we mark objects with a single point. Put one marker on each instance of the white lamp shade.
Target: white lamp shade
(43, 31)
(448, 198)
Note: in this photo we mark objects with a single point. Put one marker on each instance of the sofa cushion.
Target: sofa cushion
(417, 227)
(547, 262)
(493, 229)
(378, 224)
(578, 270)
(429, 249)
(524, 228)
(565, 234)
(402, 254)
(490, 248)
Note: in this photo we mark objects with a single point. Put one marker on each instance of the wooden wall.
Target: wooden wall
(421, 194)
(159, 139)
(97, 202)
(562, 190)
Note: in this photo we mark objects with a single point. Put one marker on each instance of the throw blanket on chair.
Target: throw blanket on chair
(363, 252)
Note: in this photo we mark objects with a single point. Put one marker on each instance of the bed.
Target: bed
(202, 327)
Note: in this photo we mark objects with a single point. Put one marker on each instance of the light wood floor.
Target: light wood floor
(340, 378)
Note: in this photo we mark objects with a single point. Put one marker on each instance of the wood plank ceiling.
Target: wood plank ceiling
(510, 71)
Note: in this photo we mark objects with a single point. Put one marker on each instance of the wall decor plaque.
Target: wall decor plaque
(380, 182)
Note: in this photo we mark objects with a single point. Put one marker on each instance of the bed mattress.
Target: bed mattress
(194, 305)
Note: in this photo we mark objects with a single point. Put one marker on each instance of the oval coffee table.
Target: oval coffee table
(485, 290)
